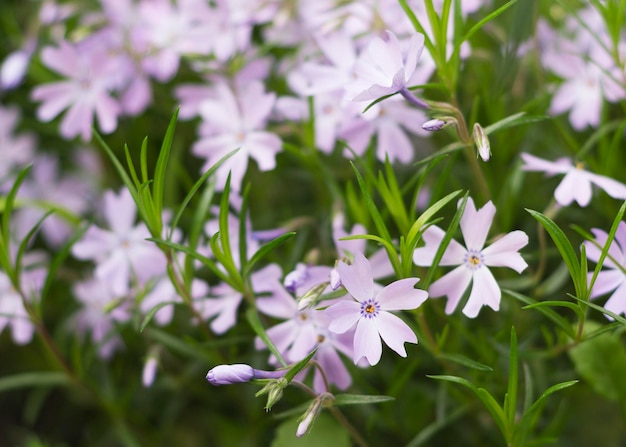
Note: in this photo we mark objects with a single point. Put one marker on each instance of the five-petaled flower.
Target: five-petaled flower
(472, 261)
(576, 185)
(371, 310)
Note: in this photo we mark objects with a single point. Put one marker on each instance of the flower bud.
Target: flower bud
(482, 142)
(309, 417)
(434, 125)
(229, 374)
(274, 391)
(312, 296)
(149, 371)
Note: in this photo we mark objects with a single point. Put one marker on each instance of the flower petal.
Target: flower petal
(423, 256)
(503, 252)
(394, 332)
(607, 281)
(453, 285)
(343, 315)
(357, 278)
(612, 187)
(401, 295)
(475, 224)
(574, 186)
(485, 292)
(367, 342)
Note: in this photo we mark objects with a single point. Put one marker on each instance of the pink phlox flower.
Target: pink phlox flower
(13, 314)
(122, 253)
(101, 310)
(371, 310)
(612, 278)
(224, 301)
(169, 30)
(384, 67)
(16, 151)
(576, 185)
(473, 262)
(86, 92)
(237, 121)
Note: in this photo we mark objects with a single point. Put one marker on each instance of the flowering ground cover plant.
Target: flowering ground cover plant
(233, 223)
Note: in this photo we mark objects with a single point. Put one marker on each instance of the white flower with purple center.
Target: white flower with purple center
(370, 311)
(473, 261)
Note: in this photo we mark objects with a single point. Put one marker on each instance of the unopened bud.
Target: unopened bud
(482, 142)
(434, 125)
(239, 373)
(274, 391)
(311, 297)
(229, 374)
(312, 413)
(149, 371)
(335, 280)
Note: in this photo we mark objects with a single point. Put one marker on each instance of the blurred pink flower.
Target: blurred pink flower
(237, 121)
(86, 92)
(122, 253)
(612, 279)
(384, 67)
(16, 151)
(473, 261)
(100, 310)
(576, 185)
(369, 311)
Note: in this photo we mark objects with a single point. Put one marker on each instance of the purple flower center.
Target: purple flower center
(473, 259)
(370, 308)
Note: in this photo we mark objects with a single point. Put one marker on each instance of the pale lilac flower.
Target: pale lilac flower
(165, 292)
(121, 254)
(86, 92)
(149, 371)
(612, 279)
(472, 261)
(64, 192)
(13, 313)
(576, 185)
(16, 151)
(370, 311)
(384, 68)
(302, 331)
(239, 373)
(13, 69)
(237, 121)
(222, 304)
(100, 310)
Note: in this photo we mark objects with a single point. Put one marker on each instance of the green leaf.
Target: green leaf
(359, 399)
(579, 312)
(255, 323)
(487, 399)
(514, 120)
(180, 345)
(265, 250)
(33, 379)
(482, 22)
(152, 312)
(299, 366)
(601, 361)
(161, 165)
(465, 361)
(561, 322)
(510, 400)
(326, 431)
(197, 185)
(565, 248)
